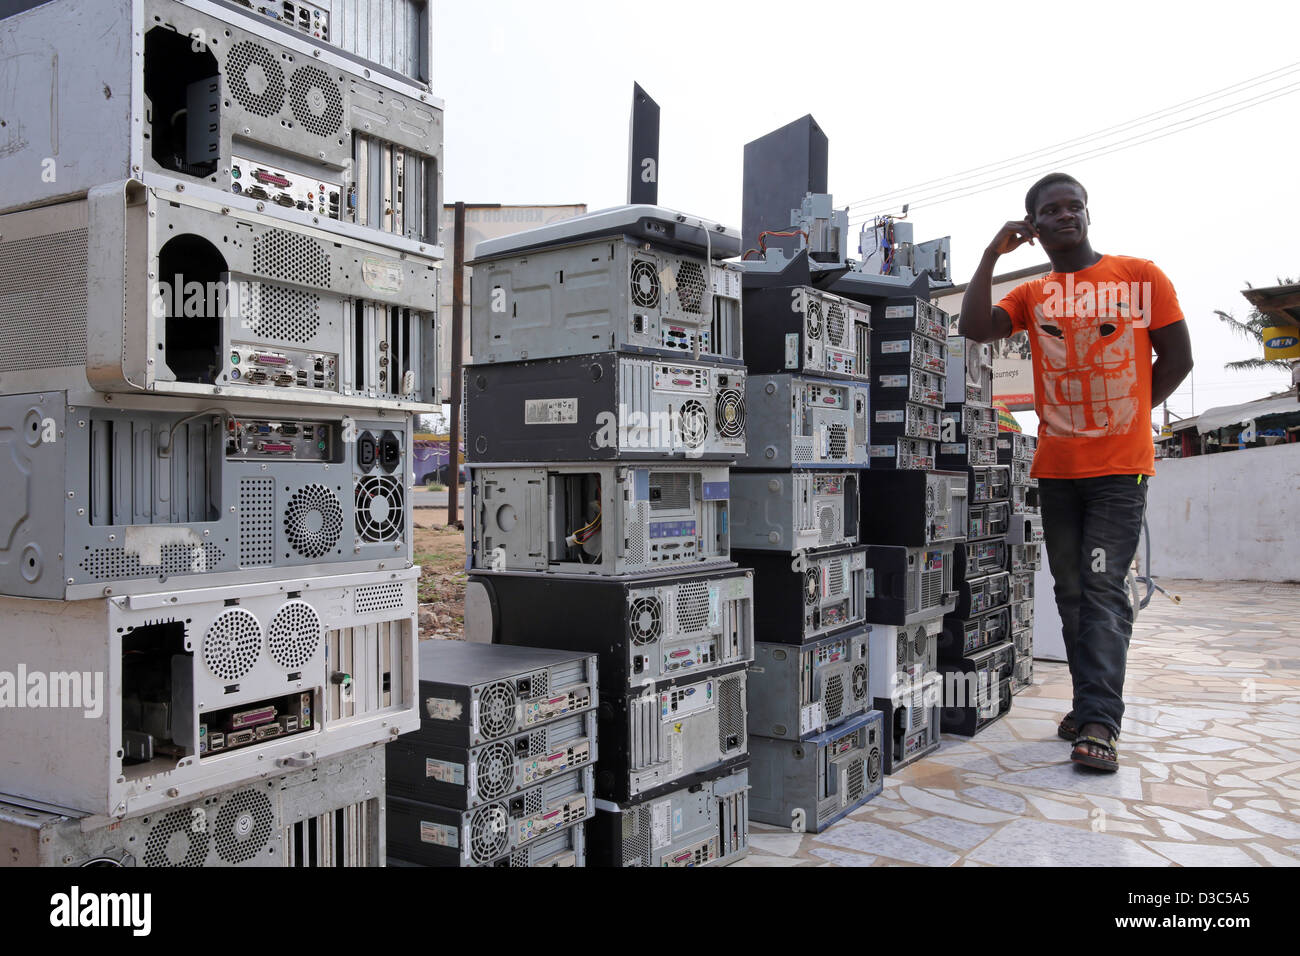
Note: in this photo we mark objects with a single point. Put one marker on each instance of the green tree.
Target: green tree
(1253, 329)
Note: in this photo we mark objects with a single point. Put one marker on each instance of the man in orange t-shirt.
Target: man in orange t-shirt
(1092, 325)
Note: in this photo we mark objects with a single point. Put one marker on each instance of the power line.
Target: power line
(1095, 134)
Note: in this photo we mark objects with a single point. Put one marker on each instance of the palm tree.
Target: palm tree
(1253, 329)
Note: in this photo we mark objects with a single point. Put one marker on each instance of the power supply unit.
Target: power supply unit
(906, 585)
(811, 595)
(903, 350)
(965, 635)
(1024, 674)
(1016, 446)
(1025, 529)
(155, 699)
(464, 777)
(913, 508)
(977, 689)
(329, 815)
(794, 511)
(428, 834)
(911, 314)
(472, 694)
(602, 406)
(615, 293)
(904, 454)
(890, 420)
(905, 688)
(800, 329)
(190, 96)
(963, 422)
(642, 631)
(970, 372)
(1022, 587)
(978, 558)
(808, 784)
(193, 298)
(797, 691)
(892, 386)
(967, 452)
(143, 494)
(981, 594)
(798, 422)
(653, 741)
(989, 520)
(703, 825)
(1024, 500)
(1024, 557)
(598, 519)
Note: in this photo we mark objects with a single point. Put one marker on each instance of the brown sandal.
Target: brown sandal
(1108, 760)
(1067, 729)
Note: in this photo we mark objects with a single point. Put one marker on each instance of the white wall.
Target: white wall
(1233, 516)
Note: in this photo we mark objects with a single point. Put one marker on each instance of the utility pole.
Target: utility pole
(457, 328)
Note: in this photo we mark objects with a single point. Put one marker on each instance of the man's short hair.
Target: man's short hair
(1031, 197)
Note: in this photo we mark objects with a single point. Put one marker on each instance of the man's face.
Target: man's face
(1061, 218)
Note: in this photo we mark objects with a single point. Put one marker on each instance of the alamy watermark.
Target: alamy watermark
(83, 690)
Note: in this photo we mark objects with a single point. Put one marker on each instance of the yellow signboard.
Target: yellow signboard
(1282, 342)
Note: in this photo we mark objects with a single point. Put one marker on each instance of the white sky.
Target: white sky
(538, 98)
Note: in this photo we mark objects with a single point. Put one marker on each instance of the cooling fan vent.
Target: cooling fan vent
(495, 774)
(645, 284)
(244, 826)
(873, 765)
(690, 286)
(496, 709)
(316, 101)
(174, 841)
(256, 80)
(859, 682)
(489, 833)
(731, 413)
(379, 506)
(836, 324)
(693, 423)
(692, 606)
(833, 697)
(645, 620)
(313, 521)
(812, 314)
(232, 645)
(294, 635)
(812, 586)
(902, 648)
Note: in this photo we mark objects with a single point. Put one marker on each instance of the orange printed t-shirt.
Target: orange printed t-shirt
(1092, 364)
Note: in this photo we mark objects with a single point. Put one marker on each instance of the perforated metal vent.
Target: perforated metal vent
(833, 697)
(855, 774)
(533, 801)
(901, 653)
(316, 101)
(730, 413)
(496, 709)
(859, 681)
(174, 841)
(380, 512)
(644, 284)
(272, 311)
(45, 276)
(931, 588)
(495, 773)
(693, 423)
(829, 524)
(108, 564)
(294, 634)
(636, 533)
(835, 578)
(669, 490)
(313, 521)
(255, 78)
(873, 765)
(291, 257)
(537, 743)
(692, 606)
(539, 683)
(489, 833)
(644, 620)
(812, 586)
(244, 826)
(256, 522)
(233, 644)
(690, 286)
(636, 836)
(813, 324)
(836, 324)
(377, 597)
(837, 441)
(731, 715)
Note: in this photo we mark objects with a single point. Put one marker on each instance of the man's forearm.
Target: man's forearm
(1167, 373)
(976, 319)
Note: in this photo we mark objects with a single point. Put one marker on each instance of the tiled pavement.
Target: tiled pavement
(1210, 760)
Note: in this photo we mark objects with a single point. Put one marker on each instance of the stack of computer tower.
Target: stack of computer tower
(1024, 548)
(218, 293)
(816, 742)
(975, 650)
(500, 771)
(604, 407)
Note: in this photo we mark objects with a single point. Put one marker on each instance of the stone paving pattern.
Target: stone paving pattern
(1209, 760)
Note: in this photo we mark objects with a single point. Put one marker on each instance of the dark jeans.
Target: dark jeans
(1091, 526)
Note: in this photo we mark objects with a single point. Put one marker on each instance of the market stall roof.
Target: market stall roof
(1228, 415)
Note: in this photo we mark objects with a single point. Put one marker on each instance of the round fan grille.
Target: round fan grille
(645, 284)
(929, 499)
(731, 413)
(489, 833)
(313, 521)
(256, 80)
(694, 423)
(315, 100)
(294, 634)
(812, 586)
(496, 770)
(920, 643)
(812, 312)
(690, 286)
(379, 508)
(496, 709)
(902, 647)
(859, 681)
(644, 620)
(173, 841)
(835, 324)
(232, 644)
(873, 765)
(243, 826)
